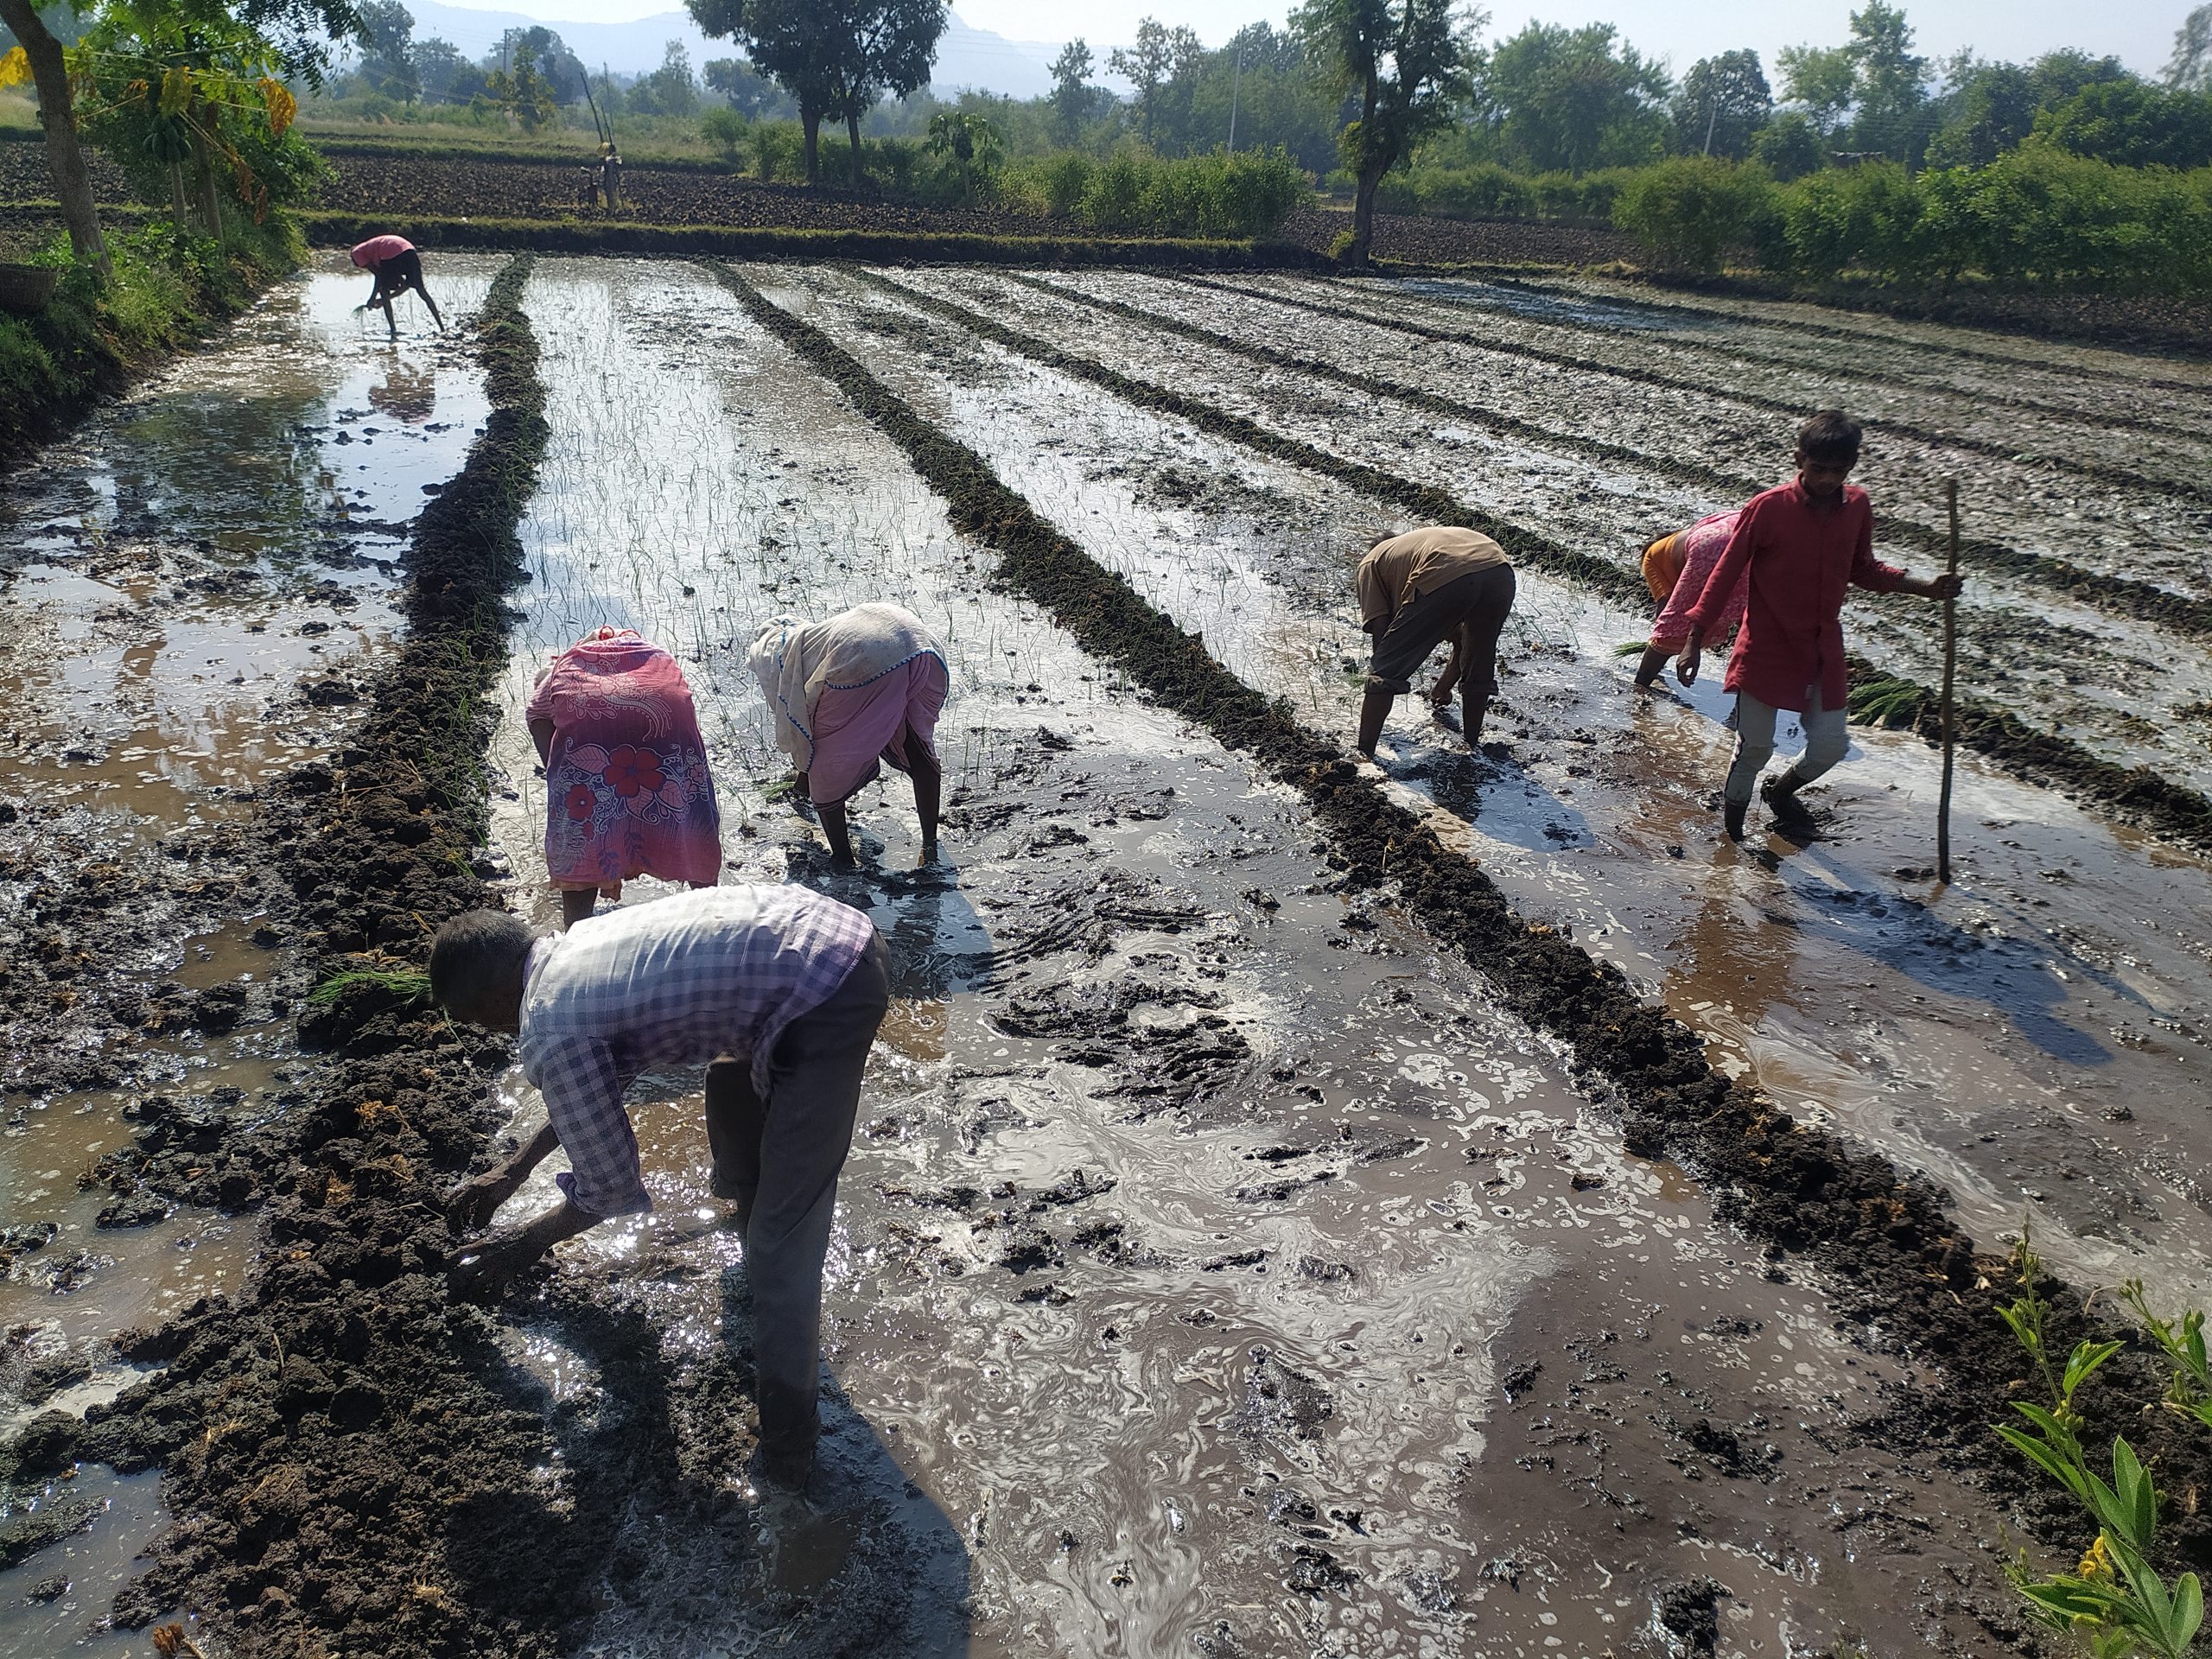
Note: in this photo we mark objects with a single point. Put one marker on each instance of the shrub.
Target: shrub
(2037, 216)
(728, 132)
(1691, 210)
(1063, 180)
(1134, 192)
(1484, 192)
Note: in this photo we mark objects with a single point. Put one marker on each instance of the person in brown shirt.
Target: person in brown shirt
(1418, 590)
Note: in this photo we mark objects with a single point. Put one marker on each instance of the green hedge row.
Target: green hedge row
(2036, 218)
(1489, 191)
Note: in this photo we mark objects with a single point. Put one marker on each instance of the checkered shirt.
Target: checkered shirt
(677, 981)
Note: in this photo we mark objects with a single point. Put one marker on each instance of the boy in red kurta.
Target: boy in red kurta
(1805, 545)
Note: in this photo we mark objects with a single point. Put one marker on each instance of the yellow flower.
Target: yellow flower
(2097, 1563)
(15, 68)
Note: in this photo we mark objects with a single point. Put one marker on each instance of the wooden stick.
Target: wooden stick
(1950, 707)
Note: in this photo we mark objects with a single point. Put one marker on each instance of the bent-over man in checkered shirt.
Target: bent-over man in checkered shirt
(780, 991)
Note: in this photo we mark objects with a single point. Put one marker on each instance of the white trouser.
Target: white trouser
(1826, 740)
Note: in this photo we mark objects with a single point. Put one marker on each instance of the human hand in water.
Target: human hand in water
(471, 1206)
(1686, 664)
(481, 1272)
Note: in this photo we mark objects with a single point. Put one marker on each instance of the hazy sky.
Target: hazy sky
(2140, 32)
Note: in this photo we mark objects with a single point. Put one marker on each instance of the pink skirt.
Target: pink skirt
(856, 726)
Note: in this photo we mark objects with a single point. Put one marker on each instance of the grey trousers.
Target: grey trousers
(1826, 742)
(778, 1158)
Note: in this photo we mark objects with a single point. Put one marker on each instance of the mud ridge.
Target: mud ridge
(1901, 1271)
(2130, 795)
(1730, 394)
(347, 1457)
(2143, 600)
(1838, 331)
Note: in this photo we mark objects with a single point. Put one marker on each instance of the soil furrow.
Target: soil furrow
(2119, 595)
(1734, 357)
(2134, 795)
(1794, 409)
(1763, 314)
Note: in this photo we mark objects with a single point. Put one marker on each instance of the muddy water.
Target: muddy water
(2124, 691)
(1217, 1271)
(200, 575)
(2029, 1037)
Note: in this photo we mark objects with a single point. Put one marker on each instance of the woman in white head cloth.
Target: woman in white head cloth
(849, 693)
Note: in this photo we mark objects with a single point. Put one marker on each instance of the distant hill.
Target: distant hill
(965, 57)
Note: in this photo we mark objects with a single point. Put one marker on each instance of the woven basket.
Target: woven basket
(25, 289)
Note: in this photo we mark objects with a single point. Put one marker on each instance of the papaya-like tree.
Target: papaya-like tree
(179, 62)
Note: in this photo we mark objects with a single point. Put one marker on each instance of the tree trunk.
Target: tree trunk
(853, 131)
(65, 154)
(176, 199)
(1362, 215)
(211, 203)
(809, 122)
(1373, 164)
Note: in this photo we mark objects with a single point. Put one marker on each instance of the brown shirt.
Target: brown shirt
(1397, 572)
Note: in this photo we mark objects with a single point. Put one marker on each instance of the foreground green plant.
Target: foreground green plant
(2114, 1601)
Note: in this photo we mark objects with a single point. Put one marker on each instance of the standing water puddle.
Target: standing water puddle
(202, 575)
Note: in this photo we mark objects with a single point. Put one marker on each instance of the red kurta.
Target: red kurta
(1803, 557)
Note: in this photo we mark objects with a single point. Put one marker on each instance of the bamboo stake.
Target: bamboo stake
(1950, 706)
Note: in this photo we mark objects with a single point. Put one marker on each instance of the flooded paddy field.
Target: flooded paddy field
(1225, 1262)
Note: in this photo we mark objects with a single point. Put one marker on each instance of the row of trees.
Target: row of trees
(1547, 99)
(1555, 99)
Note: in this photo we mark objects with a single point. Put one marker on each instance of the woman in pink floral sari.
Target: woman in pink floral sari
(627, 792)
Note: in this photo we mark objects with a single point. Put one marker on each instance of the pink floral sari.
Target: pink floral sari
(1701, 547)
(626, 785)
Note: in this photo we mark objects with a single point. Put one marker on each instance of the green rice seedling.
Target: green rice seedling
(1888, 702)
(1630, 647)
(405, 985)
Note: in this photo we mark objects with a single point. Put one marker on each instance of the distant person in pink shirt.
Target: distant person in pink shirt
(395, 267)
